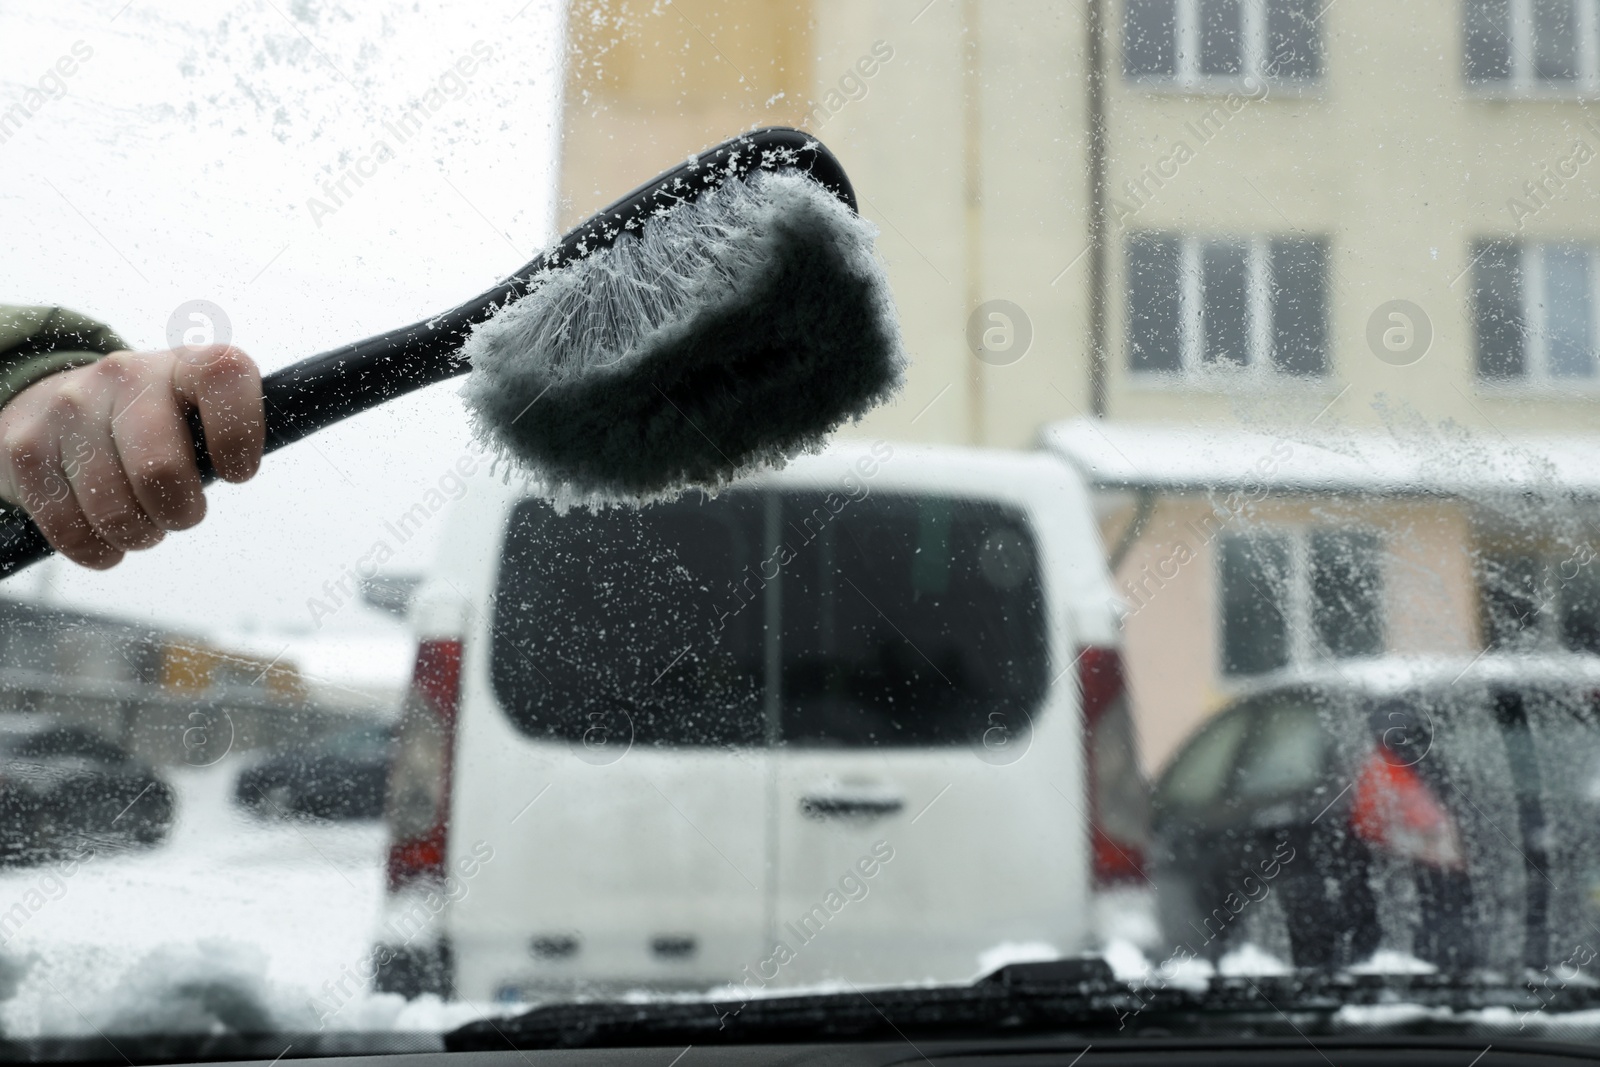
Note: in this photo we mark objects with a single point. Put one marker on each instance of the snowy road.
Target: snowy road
(231, 917)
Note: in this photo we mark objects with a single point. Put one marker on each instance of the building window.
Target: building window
(1532, 45)
(1225, 306)
(1293, 596)
(1534, 309)
(1535, 599)
(1219, 43)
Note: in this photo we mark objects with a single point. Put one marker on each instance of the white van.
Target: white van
(730, 740)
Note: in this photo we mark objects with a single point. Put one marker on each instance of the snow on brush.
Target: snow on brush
(231, 924)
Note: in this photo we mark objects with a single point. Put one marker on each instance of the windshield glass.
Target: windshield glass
(1217, 600)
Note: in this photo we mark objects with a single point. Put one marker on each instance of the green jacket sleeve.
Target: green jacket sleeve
(37, 341)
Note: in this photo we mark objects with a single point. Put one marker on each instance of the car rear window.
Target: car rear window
(1200, 771)
(807, 617)
(622, 623)
(1287, 749)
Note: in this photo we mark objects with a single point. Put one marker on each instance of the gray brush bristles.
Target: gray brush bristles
(727, 335)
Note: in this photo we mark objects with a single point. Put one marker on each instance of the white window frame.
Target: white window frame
(1522, 82)
(1253, 45)
(1304, 649)
(1258, 314)
(1536, 352)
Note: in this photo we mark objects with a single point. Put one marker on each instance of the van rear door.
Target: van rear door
(915, 727)
(642, 711)
(772, 718)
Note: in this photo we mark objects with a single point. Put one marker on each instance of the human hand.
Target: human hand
(101, 456)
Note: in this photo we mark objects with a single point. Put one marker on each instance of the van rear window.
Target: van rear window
(806, 617)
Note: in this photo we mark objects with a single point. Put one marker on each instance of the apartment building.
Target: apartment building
(1307, 289)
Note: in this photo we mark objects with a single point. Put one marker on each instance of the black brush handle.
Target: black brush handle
(322, 390)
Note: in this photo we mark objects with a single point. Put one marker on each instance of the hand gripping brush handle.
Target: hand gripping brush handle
(316, 392)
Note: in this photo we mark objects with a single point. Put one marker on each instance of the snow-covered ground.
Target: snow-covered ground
(232, 921)
(238, 922)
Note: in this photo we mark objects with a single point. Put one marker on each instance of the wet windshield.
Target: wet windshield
(1218, 601)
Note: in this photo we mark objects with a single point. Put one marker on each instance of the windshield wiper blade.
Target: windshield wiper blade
(863, 1014)
(1081, 996)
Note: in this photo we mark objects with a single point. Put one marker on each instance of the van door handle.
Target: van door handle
(842, 805)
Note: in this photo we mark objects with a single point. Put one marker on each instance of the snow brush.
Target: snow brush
(720, 319)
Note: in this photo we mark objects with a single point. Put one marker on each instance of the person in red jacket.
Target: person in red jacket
(94, 445)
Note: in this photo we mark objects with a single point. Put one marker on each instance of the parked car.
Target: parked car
(747, 702)
(338, 777)
(64, 788)
(1448, 809)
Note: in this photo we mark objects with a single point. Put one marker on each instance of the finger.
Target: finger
(50, 502)
(152, 438)
(224, 385)
(104, 495)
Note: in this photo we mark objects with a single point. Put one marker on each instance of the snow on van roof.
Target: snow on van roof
(843, 451)
(1399, 460)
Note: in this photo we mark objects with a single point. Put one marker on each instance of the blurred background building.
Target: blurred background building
(167, 697)
(1316, 320)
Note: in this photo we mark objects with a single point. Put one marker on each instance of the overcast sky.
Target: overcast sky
(177, 163)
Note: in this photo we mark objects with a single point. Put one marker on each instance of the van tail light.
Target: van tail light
(1395, 810)
(417, 805)
(1119, 798)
